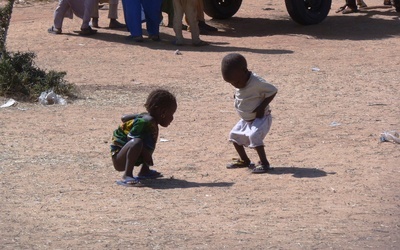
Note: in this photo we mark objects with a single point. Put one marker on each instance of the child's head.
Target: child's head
(161, 105)
(234, 70)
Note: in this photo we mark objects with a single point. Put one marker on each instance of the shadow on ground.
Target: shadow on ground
(177, 183)
(300, 172)
(365, 25)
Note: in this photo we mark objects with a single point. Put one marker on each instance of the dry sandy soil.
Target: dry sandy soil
(333, 187)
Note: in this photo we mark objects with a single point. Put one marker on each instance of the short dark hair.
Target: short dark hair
(233, 61)
(159, 98)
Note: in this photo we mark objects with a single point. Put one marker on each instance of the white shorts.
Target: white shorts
(251, 134)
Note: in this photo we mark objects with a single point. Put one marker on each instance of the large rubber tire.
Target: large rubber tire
(221, 9)
(308, 12)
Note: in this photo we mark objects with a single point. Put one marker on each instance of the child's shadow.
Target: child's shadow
(300, 172)
(177, 183)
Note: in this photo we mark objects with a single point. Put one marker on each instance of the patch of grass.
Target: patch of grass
(22, 79)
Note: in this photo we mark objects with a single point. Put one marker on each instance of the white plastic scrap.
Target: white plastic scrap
(390, 136)
(49, 98)
(9, 103)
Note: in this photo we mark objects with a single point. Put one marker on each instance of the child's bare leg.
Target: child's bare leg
(263, 158)
(126, 158)
(242, 153)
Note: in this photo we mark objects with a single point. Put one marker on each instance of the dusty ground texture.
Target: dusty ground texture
(334, 187)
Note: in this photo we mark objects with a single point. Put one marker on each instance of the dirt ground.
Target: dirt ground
(335, 186)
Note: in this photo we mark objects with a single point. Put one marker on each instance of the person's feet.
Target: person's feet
(349, 10)
(130, 181)
(149, 174)
(259, 169)
(238, 163)
(204, 26)
(87, 31)
(137, 39)
(155, 38)
(200, 43)
(54, 30)
(114, 24)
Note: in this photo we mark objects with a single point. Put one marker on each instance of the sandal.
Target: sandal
(87, 31)
(54, 30)
(152, 174)
(130, 182)
(238, 163)
(259, 169)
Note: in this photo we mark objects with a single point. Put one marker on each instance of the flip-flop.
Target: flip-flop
(130, 182)
(261, 169)
(153, 174)
(238, 163)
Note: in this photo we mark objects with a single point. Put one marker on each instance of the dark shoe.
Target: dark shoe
(114, 24)
(204, 26)
(55, 31)
(87, 31)
(138, 39)
(200, 43)
(155, 38)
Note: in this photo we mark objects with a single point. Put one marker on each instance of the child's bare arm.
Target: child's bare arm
(261, 108)
(126, 118)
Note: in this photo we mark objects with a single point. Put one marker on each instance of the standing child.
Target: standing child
(252, 97)
(134, 141)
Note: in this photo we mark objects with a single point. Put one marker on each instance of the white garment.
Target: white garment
(251, 134)
(247, 99)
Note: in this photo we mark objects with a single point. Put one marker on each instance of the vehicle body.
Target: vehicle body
(305, 12)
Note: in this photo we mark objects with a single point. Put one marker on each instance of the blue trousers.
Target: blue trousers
(133, 20)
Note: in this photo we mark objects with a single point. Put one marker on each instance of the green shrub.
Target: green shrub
(19, 76)
(22, 79)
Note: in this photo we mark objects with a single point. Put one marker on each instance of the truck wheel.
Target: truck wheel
(308, 12)
(221, 9)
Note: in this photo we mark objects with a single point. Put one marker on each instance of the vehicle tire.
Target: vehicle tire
(308, 12)
(221, 9)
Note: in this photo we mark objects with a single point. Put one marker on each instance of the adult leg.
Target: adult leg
(152, 10)
(133, 18)
(178, 15)
(203, 26)
(191, 14)
(95, 17)
(59, 13)
(113, 16)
